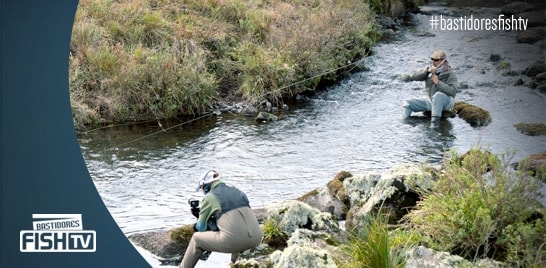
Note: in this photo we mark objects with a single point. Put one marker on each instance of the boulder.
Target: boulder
(392, 192)
(531, 35)
(323, 200)
(302, 256)
(253, 258)
(541, 77)
(309, 231)
(474, 115)
(305, 249)
(535, 69)
(249, 110)
(516, 8)
(330, 198)
(265, 117)
(535, 164)
(534, 17)
(293, 214)
(167, 246)
(531, 129)
(422, 257)
(537, 72)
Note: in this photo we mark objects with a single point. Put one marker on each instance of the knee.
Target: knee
(439, 96)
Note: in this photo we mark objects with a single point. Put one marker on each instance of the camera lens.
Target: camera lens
(193, 202)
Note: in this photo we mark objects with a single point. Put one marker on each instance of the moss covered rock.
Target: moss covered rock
(424, 257)
(294, 214)
(331, 198)
(474, 115)
(530, 129)
(392, 192)
(168, 246)
(302, 256)
(535, 164)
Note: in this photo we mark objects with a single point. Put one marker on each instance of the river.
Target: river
(354, 126)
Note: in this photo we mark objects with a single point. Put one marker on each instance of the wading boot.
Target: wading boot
(435, 122)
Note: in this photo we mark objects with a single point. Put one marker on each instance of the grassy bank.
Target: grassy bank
(155, 59)
(481, 208)
(478, 208)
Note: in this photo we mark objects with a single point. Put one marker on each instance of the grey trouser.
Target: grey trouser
(440, 102)
(239, 231)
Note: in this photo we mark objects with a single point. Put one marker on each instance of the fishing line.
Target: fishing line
(162, 130)
(209, 113)
(316, 76)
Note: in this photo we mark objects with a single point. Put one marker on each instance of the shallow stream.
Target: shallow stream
(353, 126)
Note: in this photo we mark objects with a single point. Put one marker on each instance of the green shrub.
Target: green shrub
(480, 208)
(182, 233)
(273, 235)
(370, 245)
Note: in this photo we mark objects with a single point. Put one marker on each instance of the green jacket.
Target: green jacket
(220, 199)
(447, 84)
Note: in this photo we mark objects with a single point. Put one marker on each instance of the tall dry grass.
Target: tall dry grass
(153, 59)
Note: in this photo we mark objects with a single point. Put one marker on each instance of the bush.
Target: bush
(479, 208)
(182, 233)
(370, 245)
(143, 60)
(273, 235)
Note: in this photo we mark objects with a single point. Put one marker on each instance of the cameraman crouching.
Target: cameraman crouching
(225, 222)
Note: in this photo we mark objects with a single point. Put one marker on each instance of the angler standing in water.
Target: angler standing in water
(441, 88)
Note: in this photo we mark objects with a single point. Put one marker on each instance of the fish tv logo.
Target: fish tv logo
(57, 233)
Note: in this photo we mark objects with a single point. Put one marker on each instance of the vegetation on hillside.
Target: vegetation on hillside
(155, 59)
(482, 208)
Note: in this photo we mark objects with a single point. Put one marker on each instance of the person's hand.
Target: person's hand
(404, 78)
(195, 211)
(435, 79)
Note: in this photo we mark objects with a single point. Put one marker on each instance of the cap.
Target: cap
(207, 177)
(438, 54)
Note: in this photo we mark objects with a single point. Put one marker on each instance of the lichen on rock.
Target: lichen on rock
(302, 256)
(390, 192)
(294, 214)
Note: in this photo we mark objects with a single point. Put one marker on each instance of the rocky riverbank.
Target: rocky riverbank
(309, 233)
(312, 221)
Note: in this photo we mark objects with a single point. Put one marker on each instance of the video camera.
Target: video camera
(194, 203)
(211, 223)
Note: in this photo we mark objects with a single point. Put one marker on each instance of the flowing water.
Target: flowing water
(353, 126)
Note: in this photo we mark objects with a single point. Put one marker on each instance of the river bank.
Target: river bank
(488, 77)
(144, 183)
(139, 61)
(313, 233)
(143, 180)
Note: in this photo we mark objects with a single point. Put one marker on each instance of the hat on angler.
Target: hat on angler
(438, 54)
(206, 178)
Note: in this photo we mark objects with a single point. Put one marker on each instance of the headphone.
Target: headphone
(206, 186)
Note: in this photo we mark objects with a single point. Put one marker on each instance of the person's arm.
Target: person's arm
(417, 75)
(209, 206)
(448, 85)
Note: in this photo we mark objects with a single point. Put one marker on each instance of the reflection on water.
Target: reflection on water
(354, 126)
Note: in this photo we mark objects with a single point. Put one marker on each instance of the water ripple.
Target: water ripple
(353, 126)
